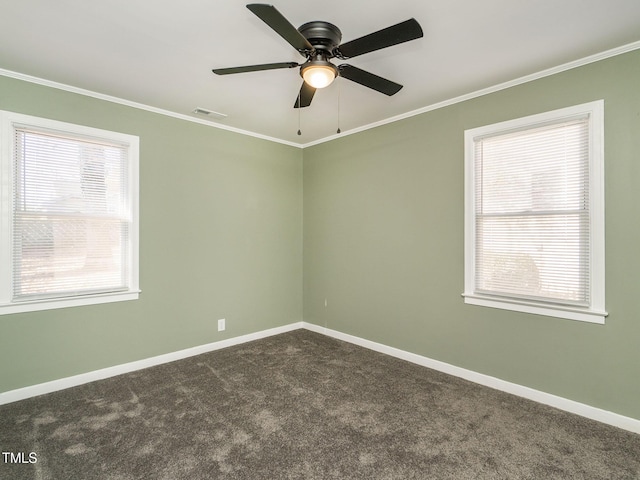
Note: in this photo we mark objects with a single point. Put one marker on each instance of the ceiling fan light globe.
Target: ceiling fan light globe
(319, 76)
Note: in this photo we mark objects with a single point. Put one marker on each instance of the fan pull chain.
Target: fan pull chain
(299, 108)
(339, 82)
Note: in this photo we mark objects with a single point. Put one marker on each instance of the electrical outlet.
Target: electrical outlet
(221, 325)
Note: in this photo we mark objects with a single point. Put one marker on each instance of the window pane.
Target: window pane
(532, 218)
(534, 256)
(543, 169)
(62, 175)
(70, 223)
(68, 255)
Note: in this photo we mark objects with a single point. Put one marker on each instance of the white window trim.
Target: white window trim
(7, 122)
(595, 312)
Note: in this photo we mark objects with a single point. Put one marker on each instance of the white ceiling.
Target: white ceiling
(160, 53)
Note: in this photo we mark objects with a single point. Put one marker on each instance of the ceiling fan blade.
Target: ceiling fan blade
(368, 79)
(272, 17)
(254, 68)
(399, 33)
(305, 96)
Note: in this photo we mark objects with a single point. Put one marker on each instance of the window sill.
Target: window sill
(50, 304)
(570, 313)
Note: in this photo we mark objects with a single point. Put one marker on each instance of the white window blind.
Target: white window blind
(534, 214)
(70, 215)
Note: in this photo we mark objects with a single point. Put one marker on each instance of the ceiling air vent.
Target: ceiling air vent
(209, 113)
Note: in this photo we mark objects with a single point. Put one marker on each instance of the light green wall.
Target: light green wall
(383, 244)
(220, 237)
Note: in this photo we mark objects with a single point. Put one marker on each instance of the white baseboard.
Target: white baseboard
(604, 416)
(68, 382)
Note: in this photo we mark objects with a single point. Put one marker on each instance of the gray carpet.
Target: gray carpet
(303, 406)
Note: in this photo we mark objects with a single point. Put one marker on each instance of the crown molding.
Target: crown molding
(140, 106)
(485, 91)
(462, 98)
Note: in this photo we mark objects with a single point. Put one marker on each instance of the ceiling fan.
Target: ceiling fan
(319, 42)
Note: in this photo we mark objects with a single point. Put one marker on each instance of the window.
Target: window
(534, 214)
(69, 215)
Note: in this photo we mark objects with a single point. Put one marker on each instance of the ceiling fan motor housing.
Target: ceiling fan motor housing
(323, 36)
